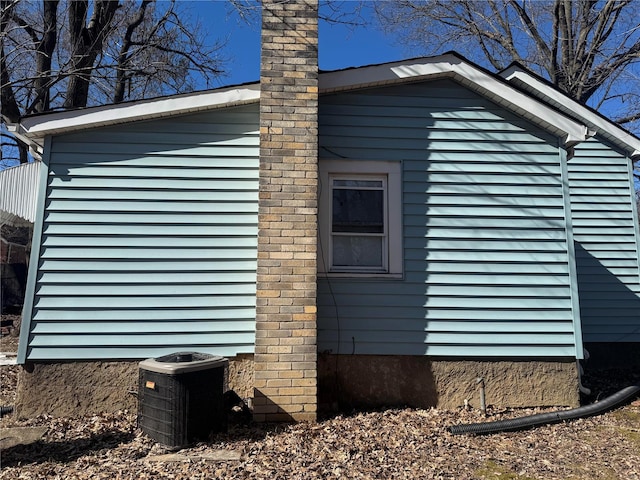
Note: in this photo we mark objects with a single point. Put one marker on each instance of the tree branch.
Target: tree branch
(627, 119)
(531, 27)
(123, 56)
(29, 30)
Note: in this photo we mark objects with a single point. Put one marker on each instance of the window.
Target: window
(360, 218)
(358, 226)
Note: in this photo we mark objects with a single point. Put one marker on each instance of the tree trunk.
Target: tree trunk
(10, 110)
(87, 42)
(44, 56)
(123, 57)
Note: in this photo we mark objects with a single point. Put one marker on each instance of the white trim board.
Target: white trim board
(467, 74)
(422, 69)
(39, 126)
(545, 92)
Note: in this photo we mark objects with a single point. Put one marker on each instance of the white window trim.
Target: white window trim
(393, 171)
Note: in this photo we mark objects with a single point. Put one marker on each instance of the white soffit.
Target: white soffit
(470, 76)
(39, 126)
(608, 129)
(448, 65)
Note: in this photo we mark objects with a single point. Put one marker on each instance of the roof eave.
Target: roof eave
(467, 74)
(596, 123)
(37, 127)
(35, 143)
(448, 65)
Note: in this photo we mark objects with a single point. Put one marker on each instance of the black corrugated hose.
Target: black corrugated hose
(617, 398)
(5, 410)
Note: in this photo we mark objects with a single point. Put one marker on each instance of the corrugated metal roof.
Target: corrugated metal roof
(19, 193)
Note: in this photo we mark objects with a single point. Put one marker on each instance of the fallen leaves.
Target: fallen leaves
(392, 444)
(389, 444)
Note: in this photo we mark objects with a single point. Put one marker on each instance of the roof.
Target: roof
(545, 91)
(33, 129)
(572, 125)
(18, 194)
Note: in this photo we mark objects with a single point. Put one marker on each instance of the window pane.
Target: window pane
(358, 183)
(358, 211)
(354, 251)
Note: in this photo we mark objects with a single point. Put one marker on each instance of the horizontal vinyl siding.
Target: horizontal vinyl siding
(602, 203)
(149, 240)
(486, 268)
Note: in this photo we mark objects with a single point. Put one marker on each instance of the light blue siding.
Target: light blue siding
(149, 240)
(607, 259)
(486, 263)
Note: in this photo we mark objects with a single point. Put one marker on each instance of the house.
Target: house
(18, 187)
(385, 234)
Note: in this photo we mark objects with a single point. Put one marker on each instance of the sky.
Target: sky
(340, 46)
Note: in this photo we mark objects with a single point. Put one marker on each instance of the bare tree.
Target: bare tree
(590, 49)
(62, 54)
(344, 12)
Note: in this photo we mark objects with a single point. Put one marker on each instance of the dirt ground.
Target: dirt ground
(390, 444)
(387, 444)
(10, 333)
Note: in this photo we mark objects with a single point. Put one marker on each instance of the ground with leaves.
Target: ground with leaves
(402, 444)
(389, 444)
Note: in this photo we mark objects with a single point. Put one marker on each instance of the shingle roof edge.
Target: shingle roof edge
(450, 65)
(540, 88)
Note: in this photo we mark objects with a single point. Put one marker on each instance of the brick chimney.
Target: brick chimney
(286, 346)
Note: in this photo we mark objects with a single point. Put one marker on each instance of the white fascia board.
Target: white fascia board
(472, 77)
(606, 128)
(35, 146)
(39, 126)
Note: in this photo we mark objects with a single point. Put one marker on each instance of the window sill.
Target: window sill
(362, 275)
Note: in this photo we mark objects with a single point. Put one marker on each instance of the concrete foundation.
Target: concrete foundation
(345, 382)
(74, 389)
(370, 381)
(241, 376)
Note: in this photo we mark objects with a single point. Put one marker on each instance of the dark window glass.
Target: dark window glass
(358, 211)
